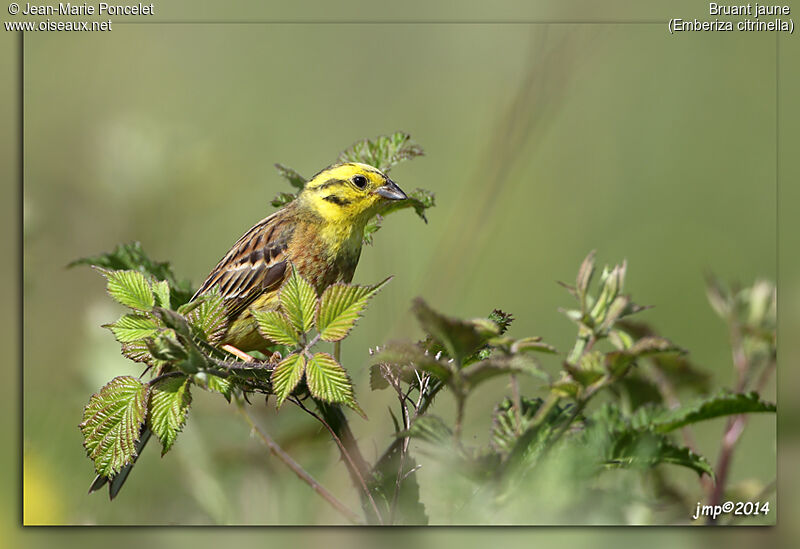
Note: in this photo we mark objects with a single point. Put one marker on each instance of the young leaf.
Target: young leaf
(419, 199)
(131, 289)
(137, 351)
(340, 307)
(328, 381)
(429, 428)
(208, 317)
(460, 338)
(403, 358)
(274, 326)
(132, 328)
(161, 293)
(169, 403)
(722, 404)
(299, 301)
(476, 373)
(131, 257)
(286, 375)
(383, 152)
(295, 179)
(112, 422)
(221, 385)
(282, 199)
(373, 225)
(584, 278)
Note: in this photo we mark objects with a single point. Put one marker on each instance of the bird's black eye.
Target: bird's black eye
(360, 181)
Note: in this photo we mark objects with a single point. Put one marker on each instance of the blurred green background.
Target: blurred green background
(543, 142)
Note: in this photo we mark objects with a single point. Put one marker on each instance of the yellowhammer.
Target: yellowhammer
(320, 233)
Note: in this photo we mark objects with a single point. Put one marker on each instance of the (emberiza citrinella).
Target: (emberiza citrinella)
(320, 233)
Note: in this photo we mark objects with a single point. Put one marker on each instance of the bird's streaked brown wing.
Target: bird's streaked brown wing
(254, 265)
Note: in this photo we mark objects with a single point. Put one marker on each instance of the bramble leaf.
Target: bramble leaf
(328, 381)
(130, 288)
(299, 301)
(208, 317)
(276, 327)
(161, 293)
(340, 307)
(112, 422)
(460, 338)
(133, 327)
(476, 373)
(131, 256)
(383, 152)
(429, 428)
(169, 403)
(286, 375)
(282, 199)
(295, 179)
(408, 356)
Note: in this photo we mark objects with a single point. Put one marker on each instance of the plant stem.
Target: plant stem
(356, 474)
(357, 466)
(298, 470)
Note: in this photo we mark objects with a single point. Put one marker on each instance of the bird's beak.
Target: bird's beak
(391, 191)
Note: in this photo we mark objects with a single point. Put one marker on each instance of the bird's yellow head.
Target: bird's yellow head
(350, 192)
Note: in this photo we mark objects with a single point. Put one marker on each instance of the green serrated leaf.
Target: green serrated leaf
(383, 152)
(161, 293)
(286, 375)
(719, 405)
(645, 449)
(282, 199)
(130, 288)
(295, 179)
(477, 373)
(532, 344)
(429, 428)
(459, 337)
(329, 382)
(408, 356)
(298, 300)
(340, 307)
(218, 384)
(165, 346)
(276, 327)
(133, 327)
(137, 351)
(372, 226)
(112, 423)
(169, 403)
(418, 199)
(208, 317)
(131, 256)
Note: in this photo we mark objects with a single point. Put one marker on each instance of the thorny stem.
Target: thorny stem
(278, 452)
(351, 465)
(357, 466)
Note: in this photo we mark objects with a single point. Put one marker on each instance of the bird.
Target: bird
(319, 234)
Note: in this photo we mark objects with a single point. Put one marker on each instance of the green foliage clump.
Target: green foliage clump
(606, 406)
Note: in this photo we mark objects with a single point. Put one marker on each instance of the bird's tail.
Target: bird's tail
(115, 483)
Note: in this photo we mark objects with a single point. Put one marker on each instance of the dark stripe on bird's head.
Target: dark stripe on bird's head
(330, 183)
(337, 200)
